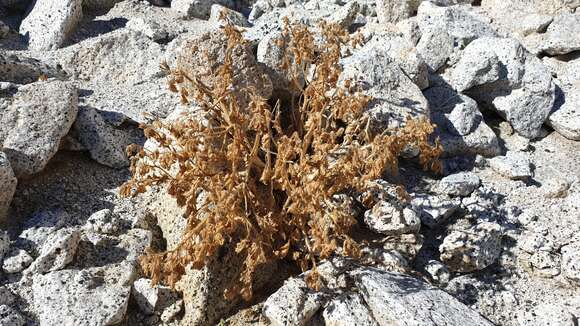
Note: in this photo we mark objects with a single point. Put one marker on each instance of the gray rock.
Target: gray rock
(534, 23)
(524, 94)
(547, 313)
(58, 250)
(348, 310)
(391, 219)
(346, 15)
(472, 249)
(459, 184)
(443, 102)
(10, 316)
(395, 96)
(106, 144)
(148, 27)
(562, 35)
(477, 66)
(397, 299)
(41, 225)
(438, 272)
(571, 261)
(37, 118)
(232, 16)
(445, 30)
(514, 165)
(23, 70)
(196, 8)
(393, 11)
(104, 221)
(293, 304)
(6, 296)
(410, 30)
(545, 264)
(145, 294)
(16, 261)
(565, 118)
(434, 210)
(50, 23)
(4, 244)
(85, 297)
(7, 188)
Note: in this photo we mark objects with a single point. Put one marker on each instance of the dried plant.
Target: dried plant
(262, 178)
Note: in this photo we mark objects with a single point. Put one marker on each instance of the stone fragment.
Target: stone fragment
(145, 294)
(58, 250)
(348, 310)
(438, 272)
(10, 316)
(24, 70)
(562, 35)
(196, 8)
(391, 219)
(293, 304)
(148, 27)
(434, 210)
(472, 249)
(478, 66)
(389, 11)
(391, 301)
(36, 119)
(16, 261)
(514, 165)
(94, 296)
(50, 23)
(565, 118)
(459, 184)
(571, 261)
(103, 221)
(7, 188)
(105, 144)
(230, 15)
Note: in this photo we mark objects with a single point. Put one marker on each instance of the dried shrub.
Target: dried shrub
(262, 178)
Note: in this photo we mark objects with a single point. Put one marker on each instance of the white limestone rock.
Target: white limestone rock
(514, 165)
(50, 23)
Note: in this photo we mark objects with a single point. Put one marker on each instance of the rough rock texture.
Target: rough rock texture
(58, 250)
(50, 23)
(562, 36)
(4, 244)
(472, 249)
(395, 96)
(513, 165)
(434, 210)
(293, 304)
(524, 92)
(10, 317)
(7, 187)
(23, 70)
(392, 219)
(196, 8)
(34, 122)
(348, 310)
(230, 15)
(459, 184)
(16, 261)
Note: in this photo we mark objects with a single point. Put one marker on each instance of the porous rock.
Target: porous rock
(50, 23)
(57, 251)
(472, 249)
(16, 261)
(7, 188)
(562, 35)
(459, 184)
(10, 316)
(293, 304)
(392, 219)
(36, 119)
(514, 165)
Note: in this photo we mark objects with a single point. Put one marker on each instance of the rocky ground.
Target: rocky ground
(495, 239)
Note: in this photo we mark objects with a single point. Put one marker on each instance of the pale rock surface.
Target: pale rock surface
(50, 23)
(434, 210)
(472, 249)
(7, 188)
(232, 16)
(16, 261)
(10, 316)
(196, 8)
(514, 165)
(35, 121)
(459, 184)
(58, 251)
(562, 35)
(392, 219)
(348, 310)
(571, 261)
(293, 304)
(20, 69)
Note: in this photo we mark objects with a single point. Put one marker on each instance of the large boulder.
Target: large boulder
(507, 79)
(34, 121)
(50, 23)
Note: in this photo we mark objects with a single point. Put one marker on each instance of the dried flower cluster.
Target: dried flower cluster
(262, 178)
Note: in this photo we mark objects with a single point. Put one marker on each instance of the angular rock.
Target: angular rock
(562, 35)
(434, 210)
(37, 118)
(196, 8)
(445, 30)
(348, 310)
(58, 250)
(477, 66)
(50, 23)
(397, 299)
(23, 70)
(545, 264)
(391, 219)
(85, 297)
(395, 96)
(16, 261)
(524, 94)
(565, 118)
(346, 15)
(389, 11)
(10, 316)
(232, 16)
(7, 188)
(514, 165)
(41, 225)
(438, 272)
(472, 249)
(148, 27)
(293, 304)
(145, 295)
(106, 144)
(534, 23)
(459, 184)
(103, 221)
(4, 244)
